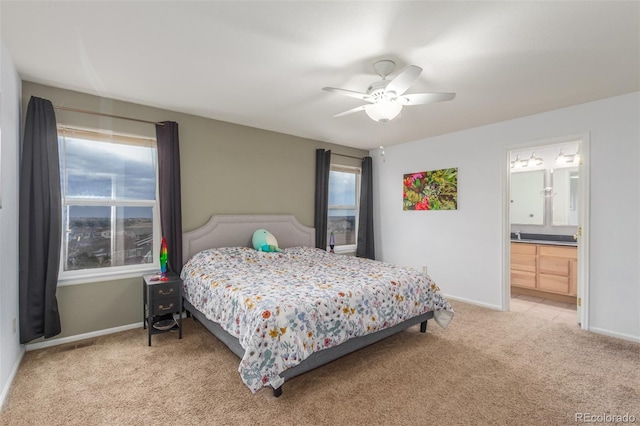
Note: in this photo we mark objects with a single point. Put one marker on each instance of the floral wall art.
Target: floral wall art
(432, 190)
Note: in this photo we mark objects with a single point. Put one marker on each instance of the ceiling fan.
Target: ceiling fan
(386, 97)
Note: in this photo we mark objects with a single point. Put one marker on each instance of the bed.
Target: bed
(288, 312)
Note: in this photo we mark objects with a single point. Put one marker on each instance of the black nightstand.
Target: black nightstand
(160, 298)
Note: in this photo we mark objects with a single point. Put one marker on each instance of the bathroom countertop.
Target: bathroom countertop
(553, 243)
(556, 240)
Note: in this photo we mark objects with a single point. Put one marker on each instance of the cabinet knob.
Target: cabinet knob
(164, 293)
(165, 308)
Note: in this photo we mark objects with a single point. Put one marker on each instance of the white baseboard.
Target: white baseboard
(473, 302)
(610, 333)
(77, 337)
(12, 376)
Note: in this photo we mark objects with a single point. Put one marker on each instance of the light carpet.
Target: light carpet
(486, 368)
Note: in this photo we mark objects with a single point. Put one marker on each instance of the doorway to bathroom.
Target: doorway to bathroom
(546, 217)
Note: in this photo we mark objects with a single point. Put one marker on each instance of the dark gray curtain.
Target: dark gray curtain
(40, 223)
(365, 247)
(323, 166)
(170, 193)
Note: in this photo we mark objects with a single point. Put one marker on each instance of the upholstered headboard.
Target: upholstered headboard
(237, 231)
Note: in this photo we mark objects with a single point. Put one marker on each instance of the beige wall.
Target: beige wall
(226, 168)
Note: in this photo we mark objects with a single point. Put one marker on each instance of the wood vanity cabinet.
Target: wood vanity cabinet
(544, 267)
(524, 265)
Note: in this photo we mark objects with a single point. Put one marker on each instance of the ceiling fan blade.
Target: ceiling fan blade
(351, 111)
(402, 81)
(425, 98)
(350, 93)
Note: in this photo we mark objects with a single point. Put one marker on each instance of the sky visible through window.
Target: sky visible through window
(342, 192)
(342, 221)
(103, 170)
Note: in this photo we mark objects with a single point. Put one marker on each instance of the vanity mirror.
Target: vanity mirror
(527, 197)
(565, 200)
(543, 193)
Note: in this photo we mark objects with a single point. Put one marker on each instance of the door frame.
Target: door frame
(583, 220)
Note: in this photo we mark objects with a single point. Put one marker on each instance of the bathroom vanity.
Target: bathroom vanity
(545, 268)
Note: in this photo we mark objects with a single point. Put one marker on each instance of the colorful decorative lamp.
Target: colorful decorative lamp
(164, 256)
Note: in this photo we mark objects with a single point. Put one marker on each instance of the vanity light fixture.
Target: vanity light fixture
(529, 162)
(563, 158)
(535, 161)
(517, 163)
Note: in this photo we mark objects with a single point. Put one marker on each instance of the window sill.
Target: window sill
(105, 276)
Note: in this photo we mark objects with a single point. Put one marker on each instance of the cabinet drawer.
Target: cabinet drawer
(553, 283)
(162, 290)
(557, 251)
(555, 266)
(523, 248)
(166, 305)
(523, 279)
(523, 262)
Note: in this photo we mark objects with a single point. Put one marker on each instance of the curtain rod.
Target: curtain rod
(348, 156)
(84, 111)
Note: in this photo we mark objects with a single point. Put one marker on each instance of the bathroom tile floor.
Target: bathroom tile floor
(544, 308)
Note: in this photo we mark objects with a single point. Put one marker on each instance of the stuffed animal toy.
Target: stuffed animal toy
(264, 240)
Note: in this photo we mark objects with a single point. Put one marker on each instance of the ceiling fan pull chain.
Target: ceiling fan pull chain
(382, 142)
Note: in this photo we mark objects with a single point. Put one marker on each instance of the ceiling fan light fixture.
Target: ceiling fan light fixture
(386, 97)
(383, 110)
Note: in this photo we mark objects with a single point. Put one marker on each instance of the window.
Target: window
(344, 196)
(109, 205)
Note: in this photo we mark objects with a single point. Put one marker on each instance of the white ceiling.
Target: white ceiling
(263, 63)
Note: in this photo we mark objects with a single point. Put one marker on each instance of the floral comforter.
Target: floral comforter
(285, 306)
